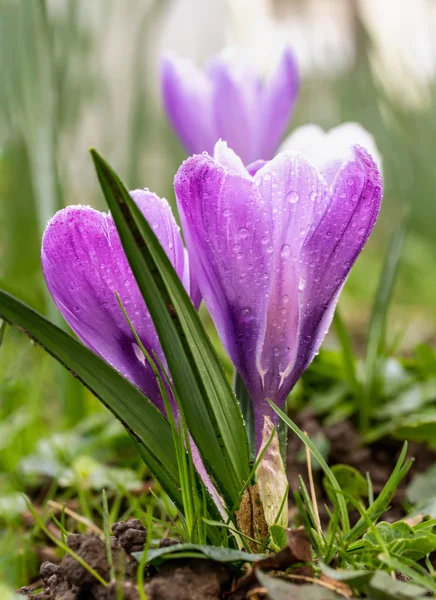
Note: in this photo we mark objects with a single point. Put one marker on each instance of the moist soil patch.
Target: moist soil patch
(197, 579)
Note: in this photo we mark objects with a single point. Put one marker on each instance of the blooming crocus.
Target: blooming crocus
(271, 252)
(85, 267)
(229, 100)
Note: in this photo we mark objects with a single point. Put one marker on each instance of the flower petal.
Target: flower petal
(327, 150)
(278, 100)
(329, 253)
(187, 97)
(84, 266)
(228, 159)
(236, 94)
(228, 232)
(298, 197)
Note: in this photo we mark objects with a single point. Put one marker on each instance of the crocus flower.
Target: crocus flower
(84, 266)
(271, 252)
(228, 100)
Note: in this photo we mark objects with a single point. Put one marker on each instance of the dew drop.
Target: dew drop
(293, 197)
(243, 232)
(301, 284)
(285, 250)
(226, 212)
(246, 311)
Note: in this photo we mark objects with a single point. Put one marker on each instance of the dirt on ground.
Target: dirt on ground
(197, 579)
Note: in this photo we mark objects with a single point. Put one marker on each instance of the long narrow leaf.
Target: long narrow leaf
(377, 327)
(247, 411)
(209, 405)
(140, 417)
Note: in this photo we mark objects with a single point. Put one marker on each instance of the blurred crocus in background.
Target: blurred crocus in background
(229, 101)
(327, 150)
(85, 266)
(271, 253)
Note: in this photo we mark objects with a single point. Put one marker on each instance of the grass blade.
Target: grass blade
(322, 463)
(209, 405)
(247, 412)
(140, 417)
(347, 353)
(377, 327)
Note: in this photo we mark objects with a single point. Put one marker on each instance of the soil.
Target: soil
(196, 579)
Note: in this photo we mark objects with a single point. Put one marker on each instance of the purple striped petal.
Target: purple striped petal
(187, 98)
(229, 101)
(279, 97)
(271, 254)
(297, 196)
(228, 232)
(331, 250)
(84, 266)
(237, 93)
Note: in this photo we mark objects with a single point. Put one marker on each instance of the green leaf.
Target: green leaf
(210, 408)
(347, 354)
(376, 334)
(218, 553)
(139, 416)
(350, 480)
(279, 589)
(410, 400)
(383, 587)
(418, 427)
(278, 535)
(422, 491)
(247, 412)
(401, 539)
(355, 579)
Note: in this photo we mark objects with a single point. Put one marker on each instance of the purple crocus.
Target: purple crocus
(271, 252)
(84, 266)
(229, 101)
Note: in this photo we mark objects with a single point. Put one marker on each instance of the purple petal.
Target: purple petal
(278, 100)
(84, 265)
(228, 232)
(254, 167)
(187, 97)
(237, 91)
(329, 253)
(297, 196)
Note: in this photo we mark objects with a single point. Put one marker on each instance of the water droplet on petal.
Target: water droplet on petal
(243, 232)
(285, 250)
(301, 284)
(293, 197)
(246, 311)
(226, 212)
